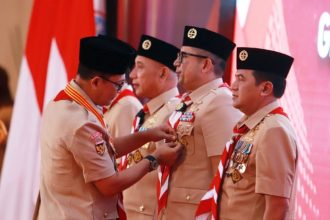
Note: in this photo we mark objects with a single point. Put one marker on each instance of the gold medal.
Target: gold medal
(146, 146)
(236, 176)
(129, 159)
(137, 156)
(183, 141)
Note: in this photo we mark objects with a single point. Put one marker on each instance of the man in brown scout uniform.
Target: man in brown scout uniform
(154, 79)
(260, 182)
(79, 179)
(203, 120)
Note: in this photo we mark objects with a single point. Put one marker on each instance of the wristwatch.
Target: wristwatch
(153, 162)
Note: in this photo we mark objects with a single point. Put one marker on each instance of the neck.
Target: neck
(260, 105)
(84, 85)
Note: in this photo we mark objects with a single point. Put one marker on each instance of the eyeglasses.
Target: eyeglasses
(183, 54)
(116, 84)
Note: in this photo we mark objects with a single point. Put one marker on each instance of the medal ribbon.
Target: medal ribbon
(209, 202)
(78, 98)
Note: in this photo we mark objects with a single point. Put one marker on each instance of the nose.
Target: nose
(176, 62)
(233, 86)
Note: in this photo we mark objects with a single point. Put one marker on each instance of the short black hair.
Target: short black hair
(279, 83)
(85, 72)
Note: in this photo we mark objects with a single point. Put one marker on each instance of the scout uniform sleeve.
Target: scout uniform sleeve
(89, 149)
(275, 163)
(217, 124)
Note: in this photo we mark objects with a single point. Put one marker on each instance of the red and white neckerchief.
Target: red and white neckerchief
(139, 118)
(137, 123)
(164, 171)
(209, 202)
(78, 98)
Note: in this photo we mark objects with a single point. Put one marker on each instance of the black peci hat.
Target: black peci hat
(158, 50)
(208, 40)
(106, 54)
(268, 61)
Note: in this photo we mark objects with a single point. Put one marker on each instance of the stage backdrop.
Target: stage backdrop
(301, 29)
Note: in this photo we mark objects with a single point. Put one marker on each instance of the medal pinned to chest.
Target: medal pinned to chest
(185, 125)
(239, 160)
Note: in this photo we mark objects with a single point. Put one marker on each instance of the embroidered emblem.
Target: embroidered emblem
(243, 55)
(146, 44)
(98, 140)
(192, 33)
(100, 148)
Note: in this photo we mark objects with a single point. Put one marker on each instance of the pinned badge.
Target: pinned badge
(100, 148)
(243, 55)
(192, 33)
(146, 44)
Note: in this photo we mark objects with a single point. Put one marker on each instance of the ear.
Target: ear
(207, 65)
(266, 88)
(95, 81)
(164, 73)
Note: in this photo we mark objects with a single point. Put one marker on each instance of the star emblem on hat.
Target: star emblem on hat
(243, 55)
(146, 44)
(192, 33)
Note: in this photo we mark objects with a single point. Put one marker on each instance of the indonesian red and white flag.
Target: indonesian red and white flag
(50, 60)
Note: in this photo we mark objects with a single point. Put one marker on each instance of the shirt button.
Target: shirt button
(141, 208)
(188, 197)
(105, 214)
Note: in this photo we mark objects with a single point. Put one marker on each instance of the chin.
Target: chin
(236, 104)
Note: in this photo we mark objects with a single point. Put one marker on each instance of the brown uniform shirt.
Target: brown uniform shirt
(270, 169)
(70, 163)
(140, 200)
(211, 128)
(120, 116)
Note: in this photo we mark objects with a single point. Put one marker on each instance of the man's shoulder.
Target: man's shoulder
(67, 112)
(277, 122)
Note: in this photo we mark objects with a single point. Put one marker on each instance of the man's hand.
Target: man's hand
(161, 132)
(168, 153)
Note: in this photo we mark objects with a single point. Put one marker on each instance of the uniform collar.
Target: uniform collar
(157, 102)
(204, 89)
(255, 118)
(83, 94)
